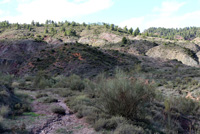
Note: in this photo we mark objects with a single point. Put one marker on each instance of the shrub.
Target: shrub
(20, 108)
(109, 124)
(76, 83)
(41, 95)
(184, 105)
(64, 92)
(6, 79)
(124, 97)
(4, 111)
(124, 40)
(50, 100)
(61, 81)
(100, 124)
(58, 110)
(129, 129)
(42, 80)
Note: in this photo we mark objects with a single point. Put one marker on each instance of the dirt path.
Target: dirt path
(67, 124)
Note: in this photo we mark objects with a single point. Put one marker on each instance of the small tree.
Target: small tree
(47, 22)
(146, 34)
(46, 30)
(52, 30)
(106, 26)
(62, 29)
(116, 28)
(71, 32)
(124, 40)
(84, 24)
(136, 32)
(73, 24)
(37, 24)
(88, 27)
(17, 26)
(130, 30)
(112, 27)
(125, 29)
(33, 23)
(30, 29)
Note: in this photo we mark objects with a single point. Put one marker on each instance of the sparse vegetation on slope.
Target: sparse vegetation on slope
(57, 76)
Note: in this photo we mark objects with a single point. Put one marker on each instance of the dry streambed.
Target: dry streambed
(51, 123)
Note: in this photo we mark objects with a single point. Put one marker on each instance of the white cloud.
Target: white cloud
(165, 16)
(41, 10)
(4, 2)
(168, 7)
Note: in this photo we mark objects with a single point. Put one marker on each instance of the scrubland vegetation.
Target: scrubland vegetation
(115, 88)
(117, 104)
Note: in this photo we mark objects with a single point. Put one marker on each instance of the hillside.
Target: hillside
(76, 78)
(187, 33)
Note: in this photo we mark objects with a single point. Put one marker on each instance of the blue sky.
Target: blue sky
(131, 13)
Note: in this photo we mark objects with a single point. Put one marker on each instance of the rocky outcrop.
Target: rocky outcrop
(170, 52)
(112, 38)
(198, 56)
(91, 41)
(197, 41)
(195, 48)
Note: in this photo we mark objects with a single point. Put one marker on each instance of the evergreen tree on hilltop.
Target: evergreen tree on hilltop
(130, 30)
(136, 32)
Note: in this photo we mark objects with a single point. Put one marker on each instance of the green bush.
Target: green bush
(76, 83)
(129, 129)
(4, 111)
(6, 79)
(61, 81)
(42, 80)
(124, 97)
(124, 40)
(184, 105)
(41, 95)
(64, 92)
(58, 110)
(20, 108)
(109, 124)
(49, 100)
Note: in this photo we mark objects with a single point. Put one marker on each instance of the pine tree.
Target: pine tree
(112, 27)
(125, 29)
(84, 24)
(124, 40)
(88, 27)
(17, 26)
(130, 30)
(33, 23)
(46, 31)
(136, 32)
(47, 22)
(62, 29)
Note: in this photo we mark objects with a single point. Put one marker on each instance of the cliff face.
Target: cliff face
(177, 53)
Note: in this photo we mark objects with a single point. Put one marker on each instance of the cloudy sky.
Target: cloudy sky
(131, 13)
